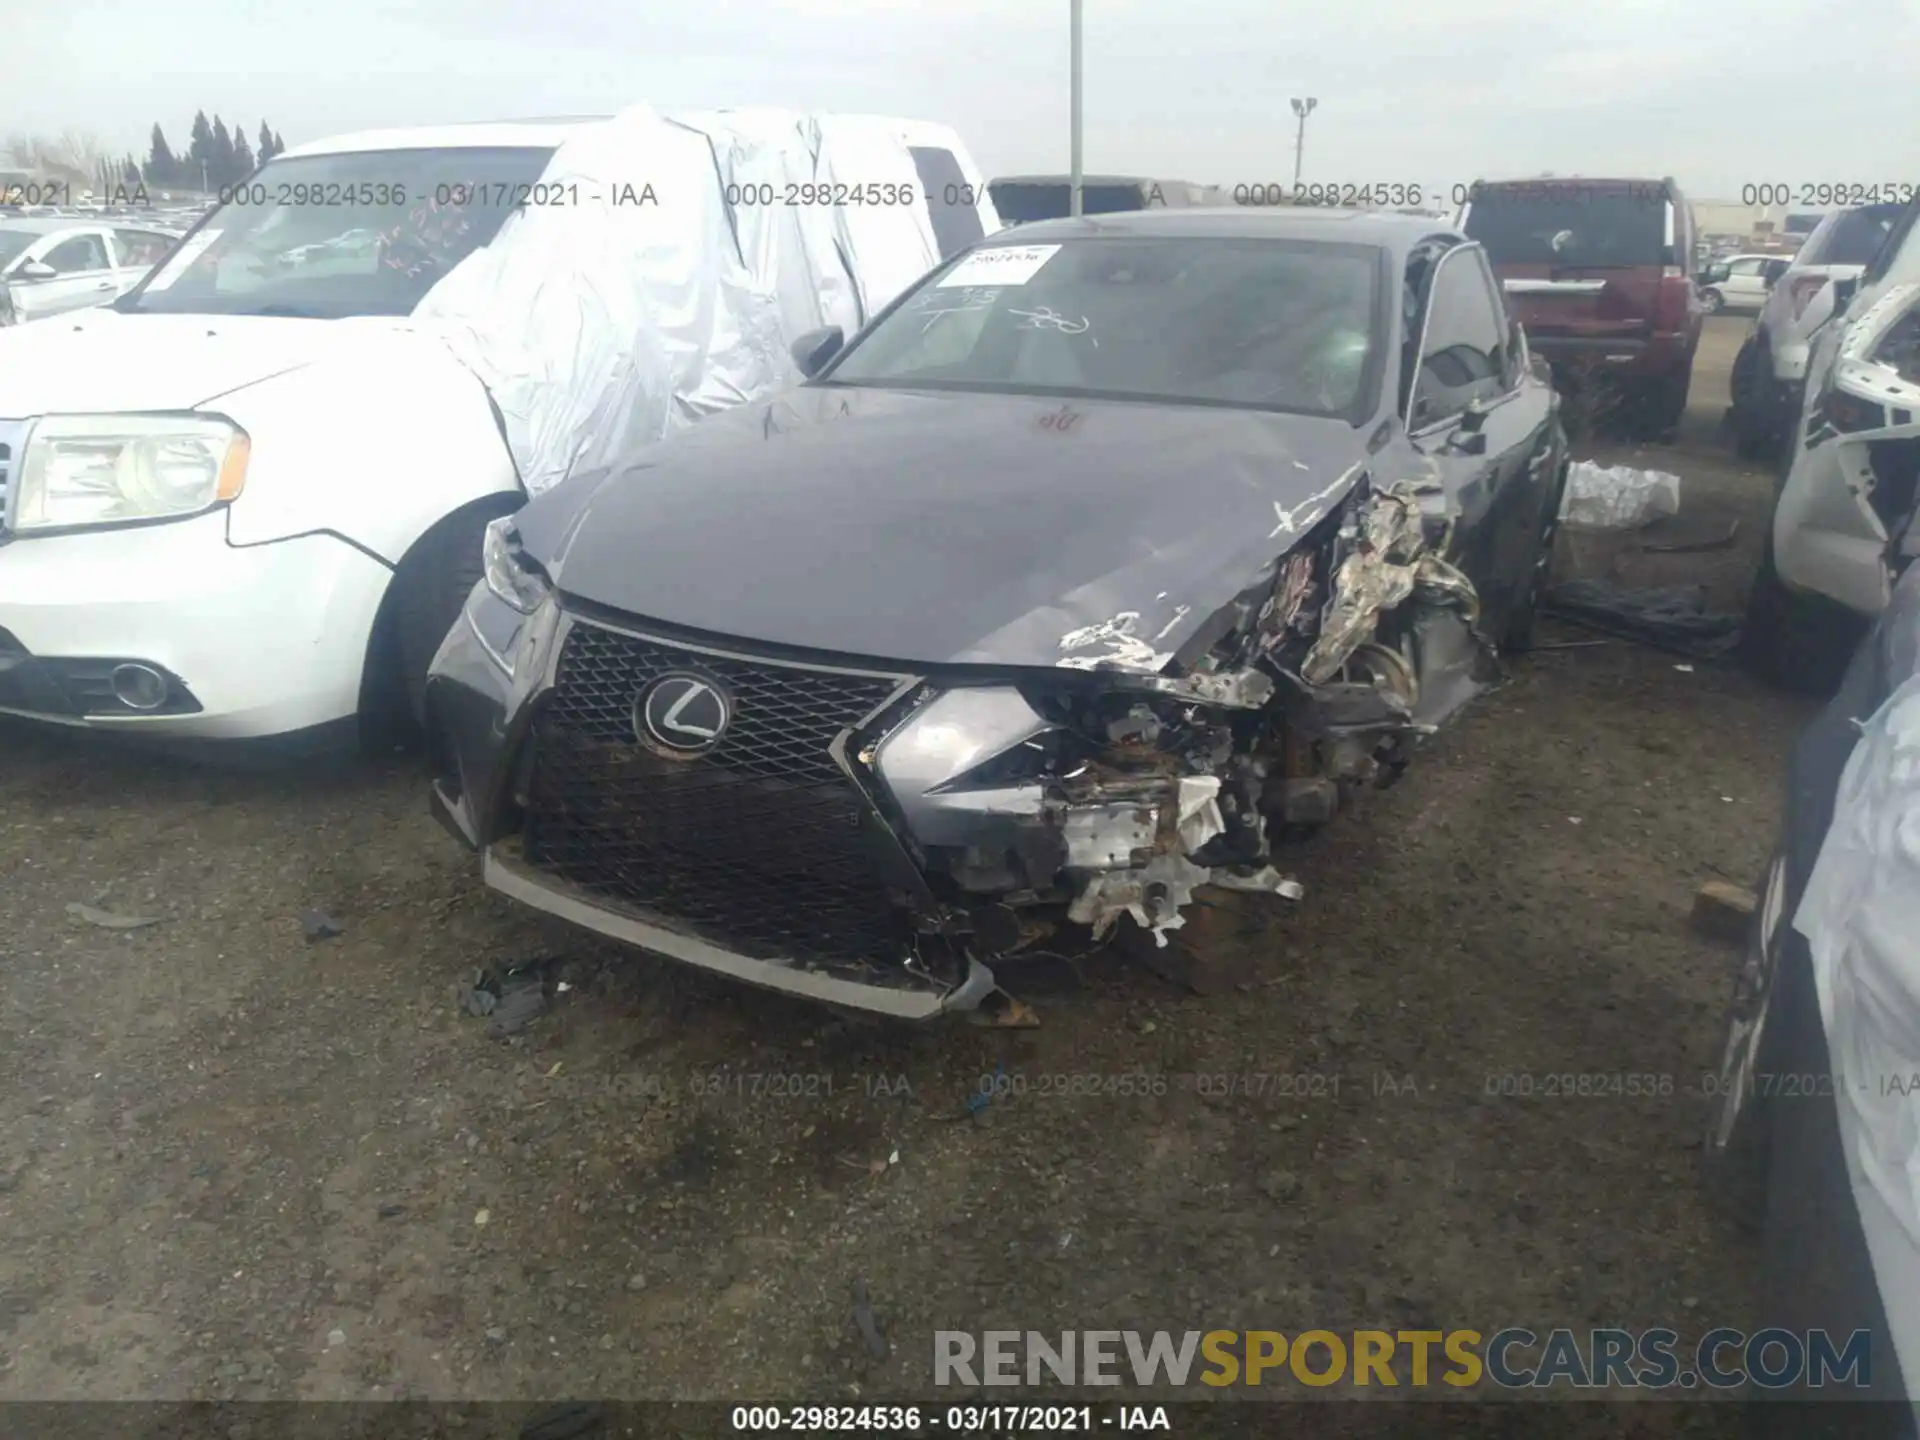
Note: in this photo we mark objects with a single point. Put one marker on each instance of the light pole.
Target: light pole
(1301, 108)
(1073, 106)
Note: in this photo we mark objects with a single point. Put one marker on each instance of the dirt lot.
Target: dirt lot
(234, 1163)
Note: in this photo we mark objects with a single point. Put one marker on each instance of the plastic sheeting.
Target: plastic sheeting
(1861, 917)
(1617, 497)
(603, 326)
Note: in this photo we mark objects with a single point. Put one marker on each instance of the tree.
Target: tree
(242, 156)
(220, 158)
(130, 174)
(265, 151)
(200, 153)
(161, 167)
(279, 145)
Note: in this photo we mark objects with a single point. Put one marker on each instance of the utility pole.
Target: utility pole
(1073, 105)
(1301, 108)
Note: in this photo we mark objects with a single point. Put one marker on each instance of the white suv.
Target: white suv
(1771, 367)
(1843, 526)
(246, 501)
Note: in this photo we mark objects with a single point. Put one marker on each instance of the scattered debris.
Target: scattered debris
(866, 1322)
(336, 1338)
(1694, 547)
(1265, 880)
(392, 1212)
(481, 1217)
(636, 1281)
(1684, 669)
(107, 920)
(511, 1001)
(1723, 911)
(319, 925)
(1673, 618)
(1617, 497)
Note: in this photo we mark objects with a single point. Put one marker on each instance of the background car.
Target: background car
(50, 266)
(1819, 1055)
(1597, 270)
(1091, 572)
(1842, 530)
(1770, 371)
(1740, 282)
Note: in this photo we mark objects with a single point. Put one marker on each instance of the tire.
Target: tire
(1664, 403)
(1756, 426)
(1796, 642)
(430, 591)
(1714, 301)
(1524, 620)
(1738, 1139)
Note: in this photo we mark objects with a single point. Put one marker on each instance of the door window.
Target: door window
(1463, 357)
(80, 254)
(1745, 267)
(141, 249)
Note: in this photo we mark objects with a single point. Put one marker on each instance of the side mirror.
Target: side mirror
(813, 350)
(1470, 438)
(36, 270)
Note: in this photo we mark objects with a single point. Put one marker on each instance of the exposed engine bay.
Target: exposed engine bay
(1045, 811)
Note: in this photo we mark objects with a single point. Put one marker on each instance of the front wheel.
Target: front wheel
(430, 591)
(1736, 1143)
(1714, 301)
(1525, 618)
(1795, 642)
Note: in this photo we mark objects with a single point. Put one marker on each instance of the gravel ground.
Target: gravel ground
(238, 1163)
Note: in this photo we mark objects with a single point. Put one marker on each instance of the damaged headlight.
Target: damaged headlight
(512, 587)
(82, 470)
(514, 579)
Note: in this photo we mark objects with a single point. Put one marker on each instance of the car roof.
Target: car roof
(47, 224)
(1381, 229)
(476, 135)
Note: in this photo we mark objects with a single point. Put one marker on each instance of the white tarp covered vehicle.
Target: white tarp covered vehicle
(246, 501)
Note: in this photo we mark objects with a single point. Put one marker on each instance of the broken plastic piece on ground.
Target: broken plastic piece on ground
(1673, 617)
(1265, 880)
(319, 925)
(521, 1003)
(107, 920)
(1617, 497)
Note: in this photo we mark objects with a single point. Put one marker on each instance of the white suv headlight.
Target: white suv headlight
(108, 469)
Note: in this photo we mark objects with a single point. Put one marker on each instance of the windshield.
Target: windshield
(1851, 237)
(1257, 324)
(1584, 227)
(329, 236)
(13, 244)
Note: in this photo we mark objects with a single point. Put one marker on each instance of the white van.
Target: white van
(245, 501)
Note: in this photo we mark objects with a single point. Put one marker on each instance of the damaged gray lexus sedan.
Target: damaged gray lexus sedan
(1097, 569)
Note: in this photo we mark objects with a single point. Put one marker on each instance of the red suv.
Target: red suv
(1599, 273)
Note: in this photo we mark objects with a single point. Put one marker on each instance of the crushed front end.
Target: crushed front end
(892, 838)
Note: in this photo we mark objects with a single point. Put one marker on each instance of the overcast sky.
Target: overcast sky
(1718, 93)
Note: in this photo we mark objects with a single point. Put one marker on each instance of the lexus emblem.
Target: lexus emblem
(682, 715)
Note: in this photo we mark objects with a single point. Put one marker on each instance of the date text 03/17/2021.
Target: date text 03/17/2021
(967, 1420)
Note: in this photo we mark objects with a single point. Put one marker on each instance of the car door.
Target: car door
(1744, 287)
(83, 275)
(1472, 413)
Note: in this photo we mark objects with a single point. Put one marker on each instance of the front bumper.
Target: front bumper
(255, 642)
(481, 734)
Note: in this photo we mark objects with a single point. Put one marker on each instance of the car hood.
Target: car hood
(944, 528)
(104, 361)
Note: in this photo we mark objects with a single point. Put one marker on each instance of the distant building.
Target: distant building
(1725, 227)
